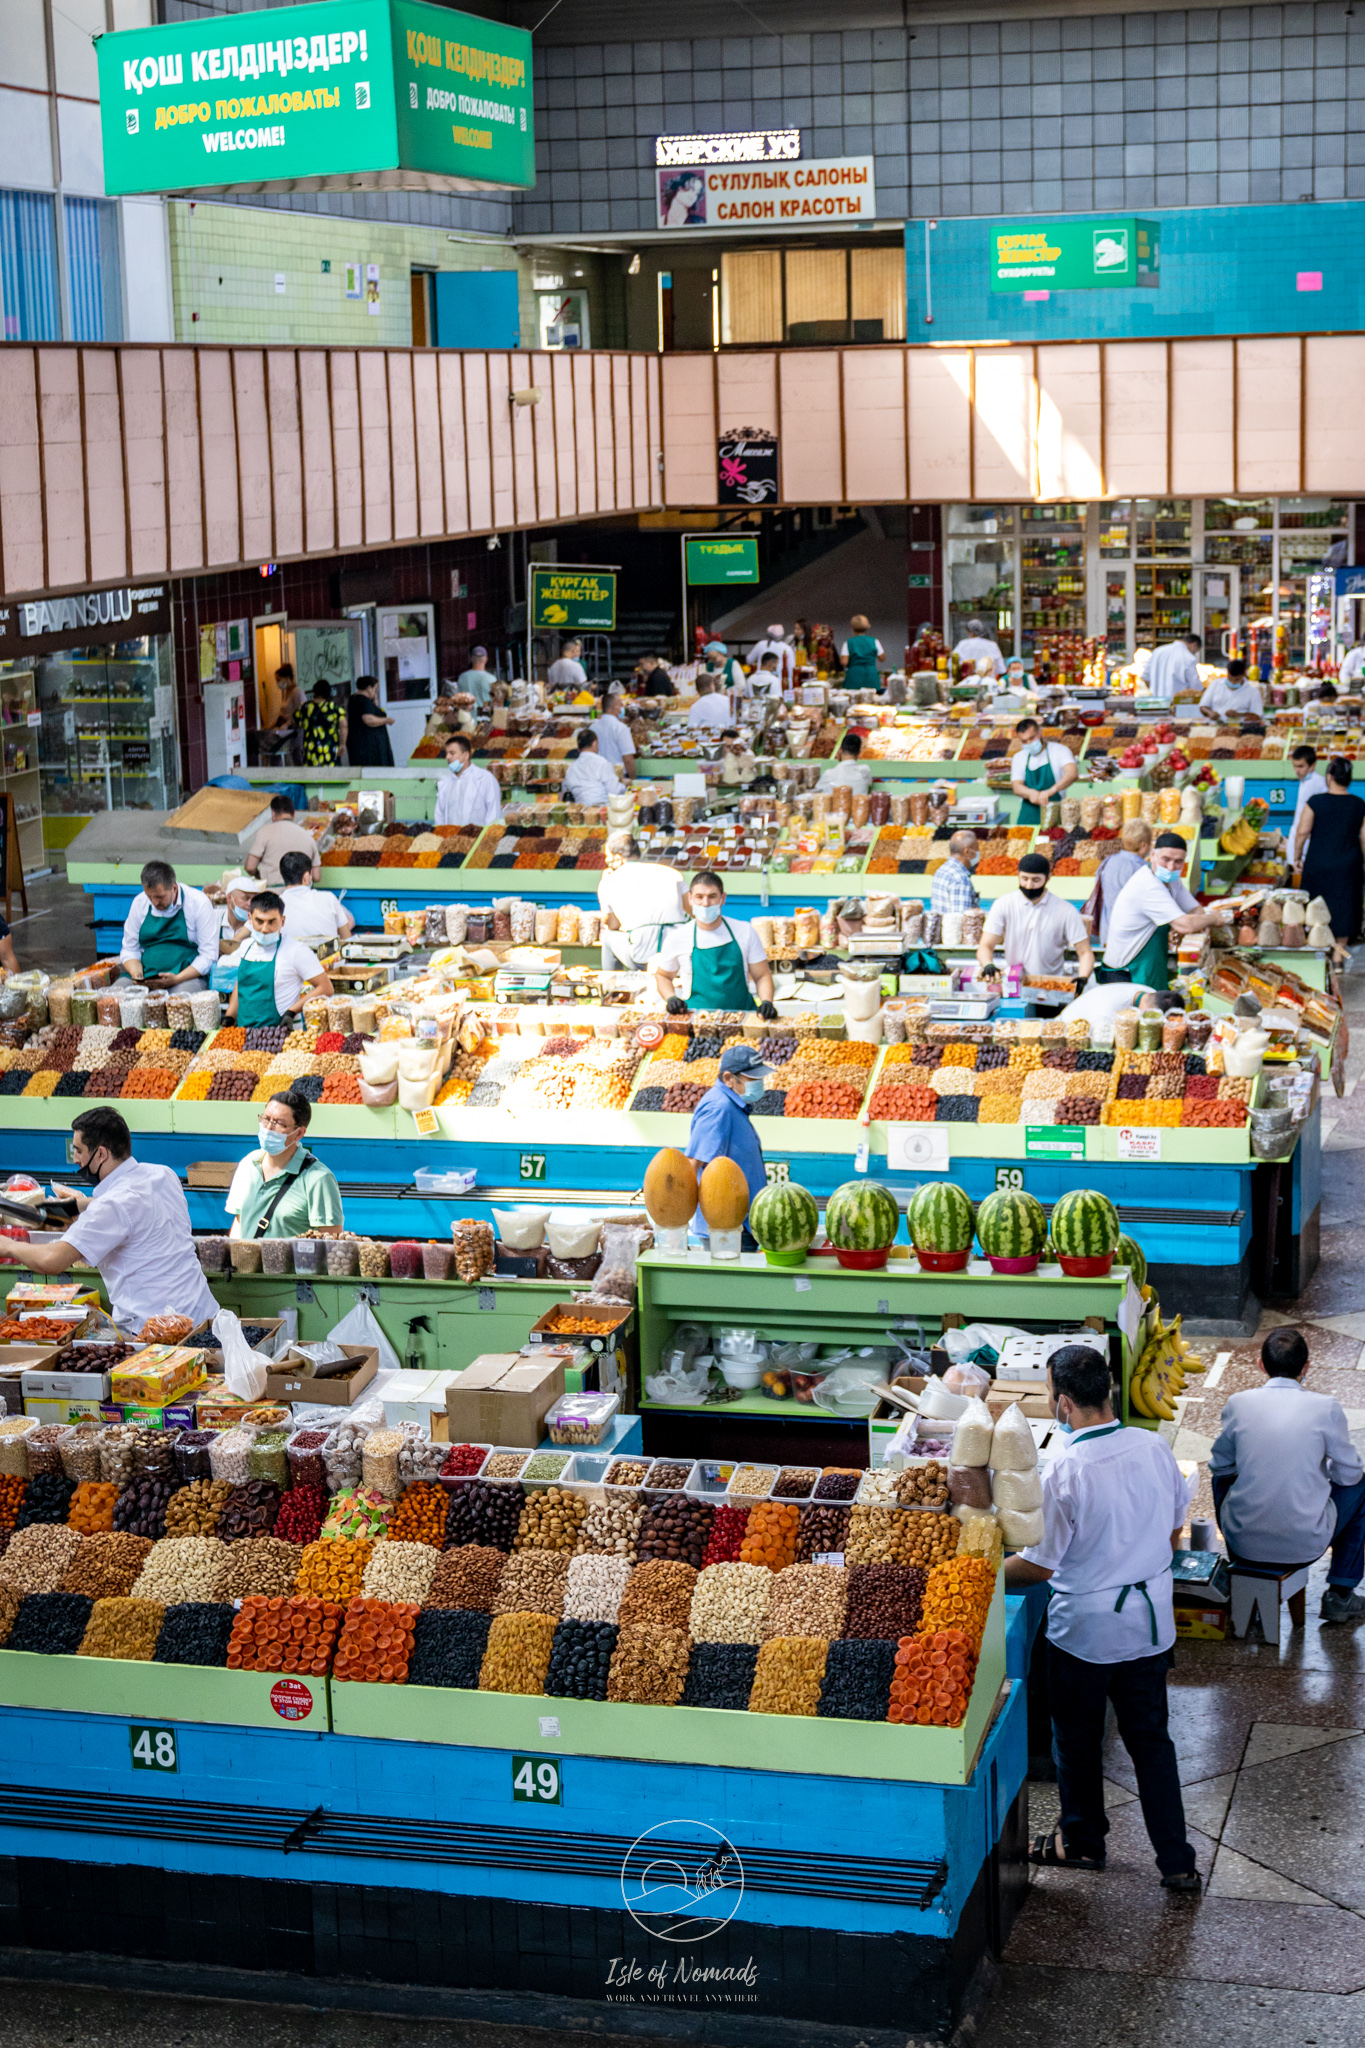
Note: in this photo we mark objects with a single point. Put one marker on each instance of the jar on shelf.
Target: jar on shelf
(245, 1254)
(277, 1255)
(310, 1255)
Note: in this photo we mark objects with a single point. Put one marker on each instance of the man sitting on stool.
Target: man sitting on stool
(1287, 1481)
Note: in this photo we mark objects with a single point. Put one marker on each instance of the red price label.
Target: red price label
(291, 1699)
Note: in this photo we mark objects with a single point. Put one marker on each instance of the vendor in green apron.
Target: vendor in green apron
(170, 936)
(860, 655)
(728, 964)
(1151, 905)
(275, 975)
(283, 1190)
(1040, 771)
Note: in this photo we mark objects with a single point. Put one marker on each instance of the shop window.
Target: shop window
(1163, 528)
(1238, 515)
(981, 519)
(108, 728)
(878, 294)
(1069, 517)
(817, 295)
(93, 267)
(28, 267)
(1116, 530)
(1313, 512)
(751, 295)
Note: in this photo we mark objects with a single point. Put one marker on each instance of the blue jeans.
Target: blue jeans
(1348, 1540)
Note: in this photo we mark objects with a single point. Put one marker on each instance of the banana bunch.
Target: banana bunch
(1239, 838)
(1161, 1371)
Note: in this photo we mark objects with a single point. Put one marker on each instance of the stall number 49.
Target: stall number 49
(153, 1749)
(535, 1780)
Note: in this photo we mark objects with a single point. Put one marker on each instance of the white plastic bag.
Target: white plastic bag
(244, 1370)
(973, 1434)
(981, 1342)
(1020, 1529)
(361, 1326)
(1012, 1446)
(1018, 1493)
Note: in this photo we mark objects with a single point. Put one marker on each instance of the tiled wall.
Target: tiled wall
(1213, 105)
(229, 276)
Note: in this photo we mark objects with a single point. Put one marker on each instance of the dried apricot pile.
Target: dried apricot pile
(958, 1596)
(376, 1642)
(933, 1679)
(283, 1635)
(770, 1535)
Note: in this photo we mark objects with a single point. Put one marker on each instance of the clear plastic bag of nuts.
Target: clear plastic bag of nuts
(473, 1241)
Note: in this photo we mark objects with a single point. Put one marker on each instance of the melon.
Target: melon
(671, 1189)
(862, 1216)
(940, 1218)
(1129, 1252)
(784, 1217)
(723, 1195)
(1085, 1225)
(1011, 1225)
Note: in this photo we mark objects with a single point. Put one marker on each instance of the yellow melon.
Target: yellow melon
(724, 1195)
(671, 1189)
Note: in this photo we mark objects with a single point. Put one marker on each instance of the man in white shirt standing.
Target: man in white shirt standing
(466, 795)
(640, 901)
(568, 673)
(589, 779)
(974, 647)
(310, 913)
(1288, 1481)
(1174, 667)
(780, 648)
(1039, 771)
(1114, 1505)
(275, 975)
(1151, 904)
(1352, 666)
(711, 711)
(615, 741)
(1037, 927)
(1232, 695)
(1305, 764)
(848, 771)
(170, 935)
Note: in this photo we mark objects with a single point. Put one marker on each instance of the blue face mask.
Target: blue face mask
(268, 941)
(753, 1091)
(1067, 1428)
(1168, 876)
(272, 1141)
(454, 763)
(707, 913)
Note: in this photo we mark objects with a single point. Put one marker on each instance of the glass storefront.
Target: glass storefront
(108, 728)
(1140, 570)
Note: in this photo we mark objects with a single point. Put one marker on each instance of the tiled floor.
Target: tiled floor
(1271, 1741)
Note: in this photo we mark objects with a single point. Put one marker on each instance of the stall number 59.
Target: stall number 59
(1009, 1178)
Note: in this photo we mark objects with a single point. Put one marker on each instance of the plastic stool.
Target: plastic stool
(1258, 1589)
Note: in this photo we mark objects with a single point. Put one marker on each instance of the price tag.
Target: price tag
(801, 1286)
(1009, 1179)
(425, 1123)
(153, 1749)
(532, 1166)
(487, 1298)
(537, 1781)
(777, 1170)
(835, 1557)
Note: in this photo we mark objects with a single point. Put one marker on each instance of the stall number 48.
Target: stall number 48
(153, 1749)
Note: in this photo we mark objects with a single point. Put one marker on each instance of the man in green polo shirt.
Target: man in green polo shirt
(283, 1190)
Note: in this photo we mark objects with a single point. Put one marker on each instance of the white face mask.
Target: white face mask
(268, 941)
(707, 913)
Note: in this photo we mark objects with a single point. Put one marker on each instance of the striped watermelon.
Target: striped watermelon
(1011, 1225)
(940, 1218)
(784, 1219)
(1129, 1252)
(862, 1216)
(1085, 1225)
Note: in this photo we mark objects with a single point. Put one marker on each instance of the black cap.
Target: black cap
(1035, 864)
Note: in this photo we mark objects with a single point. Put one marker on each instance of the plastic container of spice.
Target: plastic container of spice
(245, 1254)
(212, 1253)
(310, 1255)
(437, 1261)
(277, 1255)
(303, 1451)
(405, 1259)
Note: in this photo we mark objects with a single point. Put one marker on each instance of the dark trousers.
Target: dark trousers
(1348, 1538)
(1138, 1690)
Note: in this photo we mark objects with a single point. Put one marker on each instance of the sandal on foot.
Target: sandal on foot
(1047, 1849)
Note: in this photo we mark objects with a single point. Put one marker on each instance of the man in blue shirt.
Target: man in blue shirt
(720, 1122)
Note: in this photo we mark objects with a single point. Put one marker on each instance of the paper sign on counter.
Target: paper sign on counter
(1140, 1145)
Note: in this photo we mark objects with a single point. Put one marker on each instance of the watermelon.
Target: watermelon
(862, 1216)
(1085, 1225)
(940, 1218)
(784, 1218)
(1130, 1253)
(1011, 1225)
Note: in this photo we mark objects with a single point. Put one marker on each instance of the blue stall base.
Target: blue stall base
(412, 1864)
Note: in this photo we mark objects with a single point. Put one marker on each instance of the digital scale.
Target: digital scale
(522, 985)
(975, 810)
(378, 949)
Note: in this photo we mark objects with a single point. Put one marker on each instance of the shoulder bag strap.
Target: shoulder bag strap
(286, 1180)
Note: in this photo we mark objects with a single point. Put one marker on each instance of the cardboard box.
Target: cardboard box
(43, 1384)
(503, 1398)
(15, 1361)
(215, 1408)
(418, 1397)
(337, 1390)
(67, 1410)
(1201, 1624)
(35, 1296)
(211, 1173)
(155, 1375)
(180, 1412)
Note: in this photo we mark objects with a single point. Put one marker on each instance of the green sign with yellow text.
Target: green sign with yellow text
(723, 561)
(1075, 255)
(390, 94)
(572, 601)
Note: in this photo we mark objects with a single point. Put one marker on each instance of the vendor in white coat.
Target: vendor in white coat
(589, 779)
(1232, 695)
(711, 710)
(848, 771)
(974, 647)
(783, 653)
(1174, 667)
(170, 936)
(1040, 771)
(1304, 761)
(615, 741)
(641, 902)
(1151, 905)
(466, 795)
(1036, 926)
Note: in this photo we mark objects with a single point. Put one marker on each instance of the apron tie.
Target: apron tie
(1138, 1586)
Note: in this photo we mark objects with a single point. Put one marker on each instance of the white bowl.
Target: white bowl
(743, 1377)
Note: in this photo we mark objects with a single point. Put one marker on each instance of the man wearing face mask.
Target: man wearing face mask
(283, 1190)
(952, 887)
(276, 974)
(1037, 927)
(728, 963)
(466, 795)
(1040, 771)
(134, 1227)
(720, 1122)
(1150, 906)
(1114, 1505)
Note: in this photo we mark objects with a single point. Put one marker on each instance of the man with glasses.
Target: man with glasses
(283, 1190)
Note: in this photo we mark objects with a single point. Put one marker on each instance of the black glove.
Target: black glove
(768, 1012)
(991, 973)
(675, 1007)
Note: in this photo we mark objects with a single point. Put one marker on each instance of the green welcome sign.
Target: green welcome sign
(389, 93)
(723, 561)
(572, 600)
(1075, 255)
